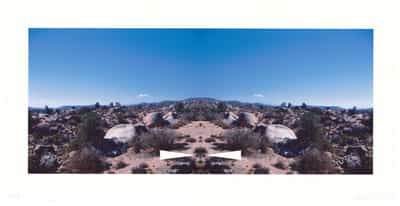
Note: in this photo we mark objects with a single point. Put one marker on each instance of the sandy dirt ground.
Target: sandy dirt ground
(200, 131)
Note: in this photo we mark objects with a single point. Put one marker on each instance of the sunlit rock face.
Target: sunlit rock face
(155, 119)
(171, 118)
(229, 118)
(246, 119)
(276, 133)
(125, 132)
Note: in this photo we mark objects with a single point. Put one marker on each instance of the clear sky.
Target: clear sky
(84, 66)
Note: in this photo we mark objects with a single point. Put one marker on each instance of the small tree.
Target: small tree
(156, 140)
(221, 107)
(47, 110)
(311, 132)
(244, 140)
(88, 131)
(304, 105)
(97, 105)
(289, 105)
(31, 121)
(315, 162)
(283, 104)
(353, 110)
(111, 104)
(179, 107)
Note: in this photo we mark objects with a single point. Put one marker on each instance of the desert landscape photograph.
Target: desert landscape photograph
(200, 101)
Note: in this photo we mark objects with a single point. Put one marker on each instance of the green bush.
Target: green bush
(314, 162)
(88, 132)
(221, 107)
(311, 132)
(242, 139)
(156, 140)
(179, 107)
(86, 160)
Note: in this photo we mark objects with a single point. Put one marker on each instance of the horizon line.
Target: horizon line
(177, 100)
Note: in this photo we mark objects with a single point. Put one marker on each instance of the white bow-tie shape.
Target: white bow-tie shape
(235, 155)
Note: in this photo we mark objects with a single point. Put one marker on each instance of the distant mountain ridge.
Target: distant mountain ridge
(195, 99)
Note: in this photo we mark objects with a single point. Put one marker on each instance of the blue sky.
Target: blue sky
(84, 66)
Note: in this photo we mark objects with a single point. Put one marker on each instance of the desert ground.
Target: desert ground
(286, 139)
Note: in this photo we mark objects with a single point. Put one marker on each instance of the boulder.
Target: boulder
(229, 118)
(155, 119)
(125, 132)
(246, 119)
(42, 129)
(356, 130)
(276, 133)
(171, 118)
(352, 161)
(47, 160)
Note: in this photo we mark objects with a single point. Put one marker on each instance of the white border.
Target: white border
(16, 187)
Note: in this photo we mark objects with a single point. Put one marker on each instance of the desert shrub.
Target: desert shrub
(314, 162)
(263, 144)
(190, 116)
(75, 144)
(261, 170)
(143, 165)
(240, 139)
(311, 132)
(142, 169)
(316, 110)
(136, 144)
(121, 119)
(31, 121)
(369, 123)
(221, 107)
(33, 163)
(352, 110)
(88, 131)
(179, 107)
(48, 110)
(200, 151)
(304, 105)
(190, 140)
(346, 140)
(280, 165)
(86, 160)
(158, 139)
(120, 165)
(84, 110)
(209, 115)
(209, 140)
(220, 123)
(178, 124)
(257, 165)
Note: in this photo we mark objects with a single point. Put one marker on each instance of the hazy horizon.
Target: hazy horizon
(268, 66)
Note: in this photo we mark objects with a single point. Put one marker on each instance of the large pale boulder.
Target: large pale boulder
(229, 118)
(155, 119)
(125, 132)
(246, 119)
(171, 118)
(276, 133)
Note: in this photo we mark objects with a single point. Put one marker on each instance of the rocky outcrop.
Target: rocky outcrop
(229, 118)
(155, 119)
(43, 160)
(276, 133)
(125, 132)
(246, 119)
(171, 117)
